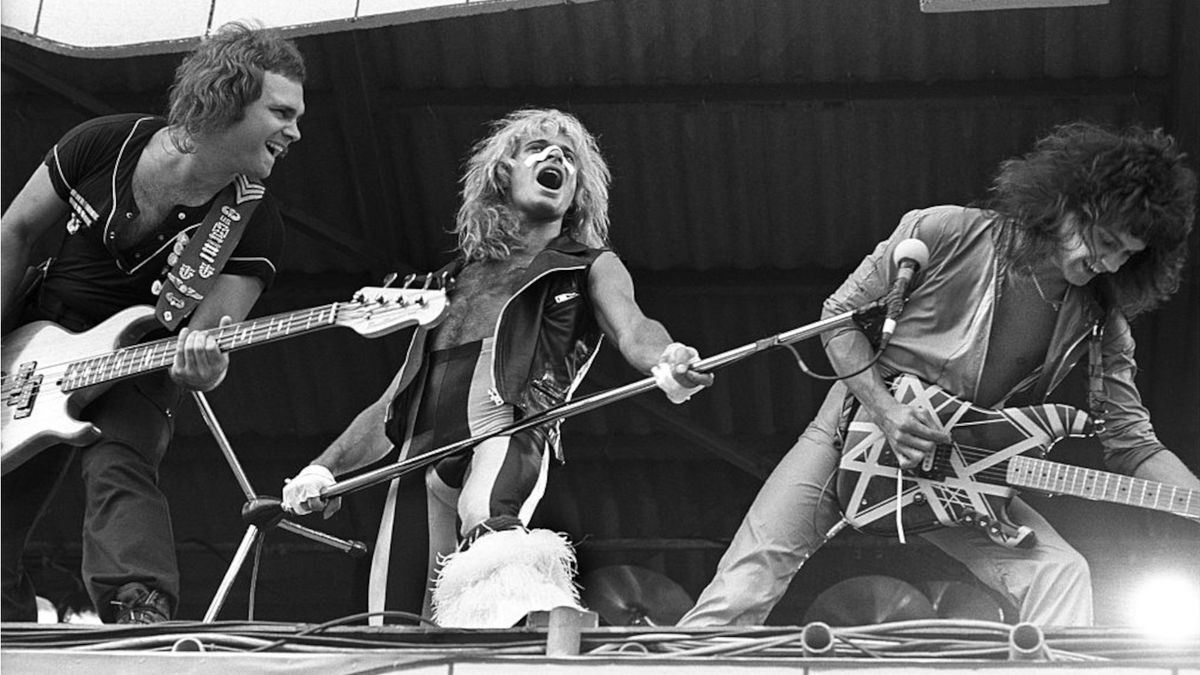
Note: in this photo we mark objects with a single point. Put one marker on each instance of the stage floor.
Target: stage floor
(230, 647)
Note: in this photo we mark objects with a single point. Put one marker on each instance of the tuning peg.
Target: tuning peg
(408, 279)
(389, 279)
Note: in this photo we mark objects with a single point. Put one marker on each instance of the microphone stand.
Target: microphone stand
(259, 514)
(862, 317)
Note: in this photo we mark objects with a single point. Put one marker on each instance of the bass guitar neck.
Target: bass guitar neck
(50, 374)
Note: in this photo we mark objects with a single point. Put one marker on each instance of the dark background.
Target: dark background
(759, 149)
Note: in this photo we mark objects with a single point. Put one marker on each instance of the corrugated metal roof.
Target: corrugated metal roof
(742, 134)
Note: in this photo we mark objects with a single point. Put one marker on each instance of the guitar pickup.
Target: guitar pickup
(931, 460)
(24, 397)
(928, 468)
(21, 382)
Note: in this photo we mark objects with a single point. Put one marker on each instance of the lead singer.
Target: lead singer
(1091, 223)
(536, 289)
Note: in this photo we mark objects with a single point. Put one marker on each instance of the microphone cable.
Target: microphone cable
(830, 378)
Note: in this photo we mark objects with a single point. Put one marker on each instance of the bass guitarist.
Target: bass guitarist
(131, 190)
(1083, 233)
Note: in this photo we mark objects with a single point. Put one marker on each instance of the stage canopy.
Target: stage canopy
(114, 28)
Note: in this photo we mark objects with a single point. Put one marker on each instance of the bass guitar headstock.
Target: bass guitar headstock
(379, 310)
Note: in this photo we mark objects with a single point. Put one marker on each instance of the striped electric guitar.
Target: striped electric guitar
(50, 374)
(995, 453)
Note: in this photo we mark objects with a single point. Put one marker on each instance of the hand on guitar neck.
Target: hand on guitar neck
(199, 363)
(50, 374)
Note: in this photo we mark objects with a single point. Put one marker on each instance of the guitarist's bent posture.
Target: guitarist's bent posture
(130, 191)
(1083, 232)
(537, 288)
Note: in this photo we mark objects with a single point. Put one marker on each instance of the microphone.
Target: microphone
(910, 256)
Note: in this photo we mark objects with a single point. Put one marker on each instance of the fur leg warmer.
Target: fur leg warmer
(502, 577)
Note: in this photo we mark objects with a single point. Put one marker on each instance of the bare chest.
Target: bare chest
(480, 293)
(153, 204)
(1022, 328)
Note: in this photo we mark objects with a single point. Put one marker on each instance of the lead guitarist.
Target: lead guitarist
(537, 287)
(234, 109)
(1091, 224)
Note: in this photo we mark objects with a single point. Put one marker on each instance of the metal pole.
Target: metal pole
(231, 574)
(572, 408)
(354, 548)
(210, 418)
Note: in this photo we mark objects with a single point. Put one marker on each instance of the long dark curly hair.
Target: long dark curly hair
(1133, 181)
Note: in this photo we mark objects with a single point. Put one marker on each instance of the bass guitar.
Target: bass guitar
(994, 454)
(50, 374)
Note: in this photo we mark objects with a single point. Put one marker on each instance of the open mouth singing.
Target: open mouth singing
(550, 177)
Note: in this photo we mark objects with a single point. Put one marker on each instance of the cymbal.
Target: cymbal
(628, 595)
(961, 600)
(867, 600)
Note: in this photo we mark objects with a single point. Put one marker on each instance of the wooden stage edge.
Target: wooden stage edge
(231, 647)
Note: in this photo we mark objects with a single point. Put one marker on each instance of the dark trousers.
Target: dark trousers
(127, 533)
(127, 536)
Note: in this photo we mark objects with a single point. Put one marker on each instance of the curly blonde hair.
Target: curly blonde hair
(486, 225)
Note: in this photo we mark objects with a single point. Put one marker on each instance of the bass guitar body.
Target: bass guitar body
(38, 413)
(51, 374)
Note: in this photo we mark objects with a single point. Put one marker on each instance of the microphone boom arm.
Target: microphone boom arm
(592, 402)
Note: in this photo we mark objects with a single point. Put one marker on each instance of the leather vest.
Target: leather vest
(545, 339)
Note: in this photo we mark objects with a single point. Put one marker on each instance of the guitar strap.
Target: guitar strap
(1096, 397)
(195, 270)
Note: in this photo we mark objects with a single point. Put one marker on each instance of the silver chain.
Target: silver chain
(1055, 304)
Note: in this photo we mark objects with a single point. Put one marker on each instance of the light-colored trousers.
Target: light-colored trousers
(1049, 583)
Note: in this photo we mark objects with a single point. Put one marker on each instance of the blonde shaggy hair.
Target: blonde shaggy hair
(486, 225)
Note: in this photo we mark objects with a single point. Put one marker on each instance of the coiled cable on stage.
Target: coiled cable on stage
(938, 639)
(387, 614)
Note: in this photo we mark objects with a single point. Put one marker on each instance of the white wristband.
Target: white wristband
(317, 471)
(676, 393)
(664, 378)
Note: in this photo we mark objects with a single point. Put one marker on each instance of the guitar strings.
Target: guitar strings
(154, 344)
(1127, 484)
(973, 454)
(161, 352)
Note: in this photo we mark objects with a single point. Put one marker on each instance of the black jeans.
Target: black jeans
(127, 534)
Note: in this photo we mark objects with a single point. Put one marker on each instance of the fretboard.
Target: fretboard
(1077, 481)
(143, 358)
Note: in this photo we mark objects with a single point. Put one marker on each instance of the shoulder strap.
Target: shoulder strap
(205, 256)
(1096, 397)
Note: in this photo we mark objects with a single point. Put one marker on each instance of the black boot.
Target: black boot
(137, 604)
